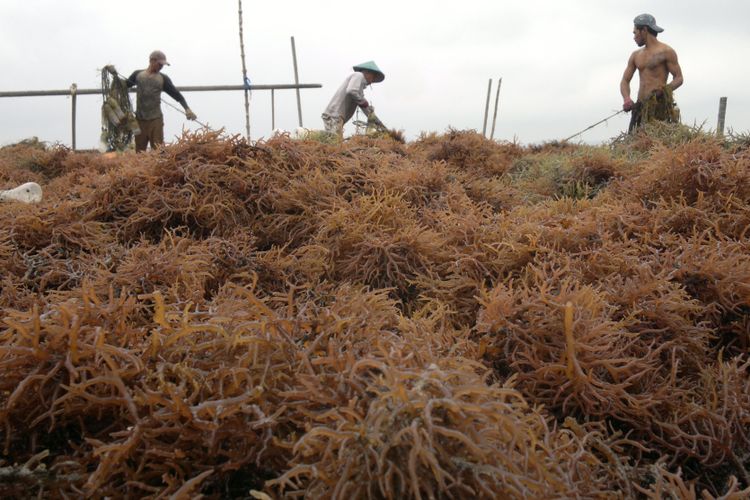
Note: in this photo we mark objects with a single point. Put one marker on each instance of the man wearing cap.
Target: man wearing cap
(151, 82)
(655, 61)
(349, 96)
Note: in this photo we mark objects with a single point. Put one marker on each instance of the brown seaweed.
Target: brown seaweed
(443, 318)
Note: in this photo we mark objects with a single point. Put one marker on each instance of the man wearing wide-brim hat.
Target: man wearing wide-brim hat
(655, 61)
(349, 96)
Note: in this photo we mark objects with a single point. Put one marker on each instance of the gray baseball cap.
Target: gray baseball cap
(158, 56)
(647, 20)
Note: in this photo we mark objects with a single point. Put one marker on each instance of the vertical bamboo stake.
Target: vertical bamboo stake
(273, 110)
(296, 82)
(487, 108)
(722, 116)
(244, 76)
(73, 95)
(497, 99)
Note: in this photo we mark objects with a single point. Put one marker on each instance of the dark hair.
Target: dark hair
(640, 27)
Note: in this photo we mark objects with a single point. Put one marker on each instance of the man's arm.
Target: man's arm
(627, 76)
(172, 91)
(175, 94)
(355, 90)
(674, 69)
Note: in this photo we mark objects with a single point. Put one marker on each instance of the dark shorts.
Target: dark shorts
(635, 117)
(152, 131)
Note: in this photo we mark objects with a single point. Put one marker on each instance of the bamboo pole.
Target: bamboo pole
(497, 99)
(296, 80)
(187, 88)
(244, 75)
(487, 108)
(73, 97)
(273, 109)
(722, 116)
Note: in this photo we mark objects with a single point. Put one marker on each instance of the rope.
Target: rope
(183, 112)
(594, 125)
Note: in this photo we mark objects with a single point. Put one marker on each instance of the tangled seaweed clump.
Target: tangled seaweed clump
(445, 318)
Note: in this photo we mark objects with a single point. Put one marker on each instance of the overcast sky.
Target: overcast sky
(561, 62)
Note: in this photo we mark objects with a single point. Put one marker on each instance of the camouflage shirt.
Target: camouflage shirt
(148, 96)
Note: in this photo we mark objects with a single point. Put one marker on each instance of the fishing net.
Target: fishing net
(119, 124)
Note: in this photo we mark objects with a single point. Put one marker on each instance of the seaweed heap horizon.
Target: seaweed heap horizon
(444, 318)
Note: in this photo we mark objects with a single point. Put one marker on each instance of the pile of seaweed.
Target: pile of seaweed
(445, 318)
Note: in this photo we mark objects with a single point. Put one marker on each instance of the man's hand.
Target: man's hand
(190, 115)
(627, 105)
(369, 111)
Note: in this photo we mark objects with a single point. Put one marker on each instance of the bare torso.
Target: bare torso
(653, 68)
(655, 61)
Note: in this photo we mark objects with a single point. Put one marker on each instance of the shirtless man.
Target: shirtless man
(655, 61)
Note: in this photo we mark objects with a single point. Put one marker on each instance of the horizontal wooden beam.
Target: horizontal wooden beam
(195, 88)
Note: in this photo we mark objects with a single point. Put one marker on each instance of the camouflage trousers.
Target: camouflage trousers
(333, 125)
(659, 106)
